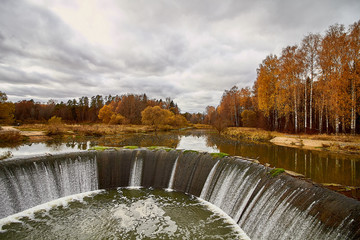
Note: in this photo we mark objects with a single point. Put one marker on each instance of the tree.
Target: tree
(291, 67)
(105, 114)
(221, 122)
(332, 61)
(353, 64)
(310, 47)
(249, 118)
(155, 116)
(7, 110)
(267, 88)
(177, 120)
(117, 119)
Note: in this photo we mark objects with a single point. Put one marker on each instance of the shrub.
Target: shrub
(117, 119)
(11, 137)
(55, 126)
(248, 118)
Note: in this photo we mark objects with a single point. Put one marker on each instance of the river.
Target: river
(320, 166)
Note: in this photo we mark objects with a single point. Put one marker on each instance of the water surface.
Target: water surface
(123, 214)
(320, 166)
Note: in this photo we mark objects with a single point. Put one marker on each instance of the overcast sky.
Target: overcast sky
(188, 50)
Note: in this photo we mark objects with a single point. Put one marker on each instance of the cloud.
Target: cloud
(186, 50)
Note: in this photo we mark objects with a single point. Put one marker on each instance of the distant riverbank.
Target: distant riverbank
(334, 143)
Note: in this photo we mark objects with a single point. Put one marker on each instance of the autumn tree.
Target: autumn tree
(291, 67)
(249, 118)
(267, 88)
(210, 115)
(105, 114)
(220, 122)
(353, 66)
(6, 110)
(155, 116)
(310, 48)
(108, 115)
(332, 61)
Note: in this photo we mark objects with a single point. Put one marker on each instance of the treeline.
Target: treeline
(310, 87)
(82, 110)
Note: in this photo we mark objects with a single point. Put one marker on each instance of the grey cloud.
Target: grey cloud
(188, 50)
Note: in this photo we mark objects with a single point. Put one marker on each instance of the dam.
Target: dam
(262, 204)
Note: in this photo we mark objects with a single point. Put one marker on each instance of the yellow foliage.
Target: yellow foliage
(54, 120)
(117, 119)
(177, 120)
(155, 116)
(7, 110)
(249, 118)
(105, 114)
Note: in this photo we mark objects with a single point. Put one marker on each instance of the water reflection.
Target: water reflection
(320, 166)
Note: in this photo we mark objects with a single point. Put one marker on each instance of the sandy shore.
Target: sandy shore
(313, 144)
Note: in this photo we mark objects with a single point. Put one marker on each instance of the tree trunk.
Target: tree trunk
(320, 120)
(310, 103)
(353, 107)
(336, 123)
(305, 106)
(327, 121)
(295, 113)
(236, 117)
(275, 120)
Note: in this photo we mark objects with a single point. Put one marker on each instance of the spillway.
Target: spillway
(264, 206)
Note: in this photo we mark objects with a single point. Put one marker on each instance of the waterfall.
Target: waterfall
(265, 207)
(136, 172)
(205, 189)
(33, 183)
(172, 176)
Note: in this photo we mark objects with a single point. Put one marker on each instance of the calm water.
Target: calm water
(320, 166)
(124, 214)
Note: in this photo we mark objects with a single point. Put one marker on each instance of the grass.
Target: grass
(91, 129)
(249, 134)
(10, 137)
(276, 171)
(100, 148)
(191, 151)
(154, 148)
(131, 147)
(219, 155)
(202, 126)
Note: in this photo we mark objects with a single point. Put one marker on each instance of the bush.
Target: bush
(10, 137)
(117, 119)
(248, 118)
(55, 126)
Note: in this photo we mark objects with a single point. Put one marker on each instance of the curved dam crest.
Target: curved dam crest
(265, 207)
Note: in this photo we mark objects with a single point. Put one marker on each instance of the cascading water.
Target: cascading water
(172, 176)
(265, 207)
(136, 172)
(31, 183)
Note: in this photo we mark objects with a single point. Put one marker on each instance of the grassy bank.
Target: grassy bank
(248, 134)
(88, 130)
(348, 144)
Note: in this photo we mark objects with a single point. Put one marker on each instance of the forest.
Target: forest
(311, 87)
(124, 109)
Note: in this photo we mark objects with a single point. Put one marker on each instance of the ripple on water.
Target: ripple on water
(123, 214)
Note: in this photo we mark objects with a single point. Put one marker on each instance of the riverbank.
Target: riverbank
(44, 132)
(335, 143)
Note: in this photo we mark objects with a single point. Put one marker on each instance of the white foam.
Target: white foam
(226, 218)
(144, 217)
(64, 201)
